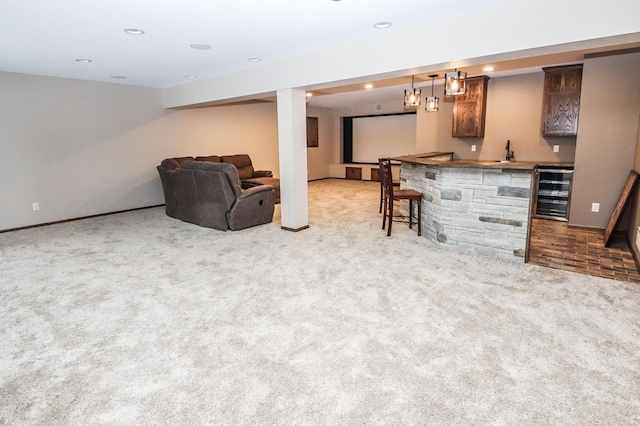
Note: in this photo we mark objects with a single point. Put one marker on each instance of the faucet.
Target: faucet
(509, 156)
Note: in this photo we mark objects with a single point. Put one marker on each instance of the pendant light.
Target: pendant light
(412, 98)
(431, 102)
(455, 83)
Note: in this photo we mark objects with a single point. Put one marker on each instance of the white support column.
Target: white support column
(292, 142)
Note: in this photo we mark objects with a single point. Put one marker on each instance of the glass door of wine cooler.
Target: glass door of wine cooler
(553, 193)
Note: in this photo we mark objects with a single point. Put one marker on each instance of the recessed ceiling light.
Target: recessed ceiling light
(487, 68)
(200, 46)
(118, 76)
(133, 31)
(368, 86)
(84, 61)
(382, 25)
(191, 76)
(254, 59)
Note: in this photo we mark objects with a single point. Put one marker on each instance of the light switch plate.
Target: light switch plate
(473, 147)
(595, 207)
(556, 148)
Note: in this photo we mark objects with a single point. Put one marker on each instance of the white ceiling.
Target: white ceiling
(46, 37)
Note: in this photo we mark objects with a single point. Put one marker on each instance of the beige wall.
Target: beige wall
(607, 136)
(319, 158)
(81, 148)
(250, 129)
(603, 152)
(514, 106)
(78, 148)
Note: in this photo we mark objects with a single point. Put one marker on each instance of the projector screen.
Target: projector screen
(383, 136)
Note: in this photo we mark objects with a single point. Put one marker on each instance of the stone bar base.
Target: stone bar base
(476, 210)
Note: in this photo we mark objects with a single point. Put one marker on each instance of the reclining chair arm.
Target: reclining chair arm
(262, 173)
(253, 206)
(250, 192)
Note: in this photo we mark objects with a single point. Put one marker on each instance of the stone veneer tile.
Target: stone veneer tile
(522, 217)
(489, 210)
(519, 252)
(451, 194)
(507, 229)
(466, 224)
(510, 202)
(500, 221)
(522, 181)
(466, 173)
(483, 193)
(462, 207)
(506, 208)
(496, 179)
(459, 197)
(518, 241)
(512, 191)
(500, 236)
(486, 251)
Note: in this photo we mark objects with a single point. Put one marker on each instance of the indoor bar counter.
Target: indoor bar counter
(479, 207)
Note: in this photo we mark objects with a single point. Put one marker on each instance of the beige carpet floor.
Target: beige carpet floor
(140, 319)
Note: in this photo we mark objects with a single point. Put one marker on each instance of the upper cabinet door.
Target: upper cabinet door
(561, 101)
(469, 109)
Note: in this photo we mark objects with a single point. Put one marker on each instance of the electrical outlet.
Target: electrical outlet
(473, 147)
(36, 207)
(595, 207)
(556, 148)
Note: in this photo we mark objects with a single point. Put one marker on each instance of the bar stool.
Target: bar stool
(394, 182)
(390, 195)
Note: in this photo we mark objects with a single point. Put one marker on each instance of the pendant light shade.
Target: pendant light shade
(431, 103)
(455, 83)
(412, 98)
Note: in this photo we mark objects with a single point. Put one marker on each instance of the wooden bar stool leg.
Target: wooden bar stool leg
(390, 217)
(384, 213)
(419, 217)
(410, 214)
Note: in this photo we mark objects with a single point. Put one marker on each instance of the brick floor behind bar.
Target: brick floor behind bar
(556, 245)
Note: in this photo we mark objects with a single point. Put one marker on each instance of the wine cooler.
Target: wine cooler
(553, 192)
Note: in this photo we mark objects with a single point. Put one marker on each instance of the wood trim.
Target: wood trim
(76, 218)
(302, 228)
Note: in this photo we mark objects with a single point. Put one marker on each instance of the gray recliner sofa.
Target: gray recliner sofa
(249, 177)
(209, 194)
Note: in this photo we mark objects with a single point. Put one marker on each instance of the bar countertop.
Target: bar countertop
(429, 160)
